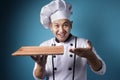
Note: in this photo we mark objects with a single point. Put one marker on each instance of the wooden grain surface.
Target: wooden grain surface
(39, 50)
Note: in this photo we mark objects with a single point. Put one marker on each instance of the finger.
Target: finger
(79, 49)
(34, 58)
(44, 57)
(71, 50)
(43, 60)
(76, 50)
(39, 59)
(89, 44)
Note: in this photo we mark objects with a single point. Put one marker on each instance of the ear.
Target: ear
(50, 25)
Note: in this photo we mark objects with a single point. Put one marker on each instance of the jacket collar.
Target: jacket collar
(65, 40)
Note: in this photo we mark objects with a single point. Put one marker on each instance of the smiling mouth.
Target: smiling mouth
(62, 35)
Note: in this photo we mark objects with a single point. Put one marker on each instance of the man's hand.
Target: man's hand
(83, 52)
(40, 59)
(89, 54)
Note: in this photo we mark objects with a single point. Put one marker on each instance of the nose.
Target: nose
(61, 29)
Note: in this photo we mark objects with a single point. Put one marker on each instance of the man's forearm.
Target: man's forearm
(40, 72)
(95, 63)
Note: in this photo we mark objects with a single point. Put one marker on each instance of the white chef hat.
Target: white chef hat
(57, 9)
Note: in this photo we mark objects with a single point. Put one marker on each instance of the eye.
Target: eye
(66, 24)
(56, 26)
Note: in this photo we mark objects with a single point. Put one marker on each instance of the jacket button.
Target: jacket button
(71, 44)
(54, 56)
(55, 68)
(53, 44)
(69, 69)
(71, 55)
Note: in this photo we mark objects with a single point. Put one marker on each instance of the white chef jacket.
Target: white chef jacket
(63, 64)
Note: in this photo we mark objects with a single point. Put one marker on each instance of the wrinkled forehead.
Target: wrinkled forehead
(61, 21)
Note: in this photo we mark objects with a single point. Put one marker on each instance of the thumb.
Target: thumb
(72, 50)
(89, 44)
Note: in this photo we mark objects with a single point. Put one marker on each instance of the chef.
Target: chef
(78, 52)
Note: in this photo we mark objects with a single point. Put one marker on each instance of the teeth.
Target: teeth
(62, 35)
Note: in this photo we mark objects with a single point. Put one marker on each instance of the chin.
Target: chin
(62, 40)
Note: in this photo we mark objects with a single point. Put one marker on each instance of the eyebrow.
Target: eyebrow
(62, 23)
(66, 22)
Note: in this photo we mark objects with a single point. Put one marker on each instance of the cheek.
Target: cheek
(68, 30)
(54, 31)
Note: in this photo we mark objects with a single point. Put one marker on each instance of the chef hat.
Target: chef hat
(57, 9)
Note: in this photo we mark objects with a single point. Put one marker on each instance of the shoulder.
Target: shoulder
(47, 42)
(80, 38)
(82, 42)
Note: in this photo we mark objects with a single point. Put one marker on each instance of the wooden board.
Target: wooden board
(39, 50)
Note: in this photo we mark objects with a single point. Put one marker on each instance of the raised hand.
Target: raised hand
(83, 52)
(40, 59)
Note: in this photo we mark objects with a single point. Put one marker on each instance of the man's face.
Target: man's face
(61, 29)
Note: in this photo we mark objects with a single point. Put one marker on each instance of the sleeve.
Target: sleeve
(103, 69)
(82, 43)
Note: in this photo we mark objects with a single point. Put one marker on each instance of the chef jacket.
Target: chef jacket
(68, 66)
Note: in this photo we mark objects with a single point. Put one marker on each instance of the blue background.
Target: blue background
(97, 20)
